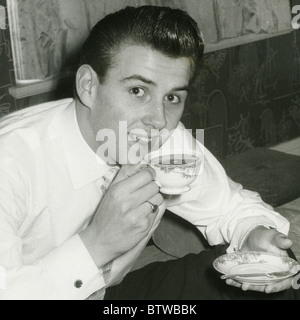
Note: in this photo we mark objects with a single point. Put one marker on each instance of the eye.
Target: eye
(138, 92)
(173, 99)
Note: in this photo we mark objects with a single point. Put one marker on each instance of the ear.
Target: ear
(86, 85)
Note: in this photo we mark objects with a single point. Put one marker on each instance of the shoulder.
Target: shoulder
(30, 115)
(25, 132)
(32, 121)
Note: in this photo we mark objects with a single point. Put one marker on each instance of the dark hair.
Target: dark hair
(171, 31)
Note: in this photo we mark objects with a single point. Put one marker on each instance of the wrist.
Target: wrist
(95, 247)
(247, 240)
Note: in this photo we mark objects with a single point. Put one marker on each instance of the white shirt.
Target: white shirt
(51, 183)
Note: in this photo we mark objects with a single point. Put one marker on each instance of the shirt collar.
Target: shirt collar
(85, 166)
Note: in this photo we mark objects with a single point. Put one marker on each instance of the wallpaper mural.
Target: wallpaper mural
(248, 96)
(245, 97)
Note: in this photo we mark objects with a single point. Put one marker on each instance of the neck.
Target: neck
(83, 115)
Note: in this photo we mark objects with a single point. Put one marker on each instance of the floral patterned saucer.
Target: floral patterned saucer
(256, 262)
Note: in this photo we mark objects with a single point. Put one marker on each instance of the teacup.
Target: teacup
(175, 173)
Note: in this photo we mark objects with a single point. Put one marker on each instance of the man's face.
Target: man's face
(144, 89)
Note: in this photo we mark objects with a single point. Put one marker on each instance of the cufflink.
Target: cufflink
(78, 284)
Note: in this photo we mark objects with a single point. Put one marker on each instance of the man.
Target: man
(73, 222)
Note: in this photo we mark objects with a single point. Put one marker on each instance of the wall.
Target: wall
(248, 96)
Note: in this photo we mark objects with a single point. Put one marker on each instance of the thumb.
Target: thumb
(282, 242)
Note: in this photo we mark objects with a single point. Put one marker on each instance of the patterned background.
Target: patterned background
(245, 97)
(248, 96)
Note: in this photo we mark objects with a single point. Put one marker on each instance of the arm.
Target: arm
(51, 275)
(226, 213)
(221, 209)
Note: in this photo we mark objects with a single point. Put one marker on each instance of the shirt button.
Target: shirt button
(78, 284)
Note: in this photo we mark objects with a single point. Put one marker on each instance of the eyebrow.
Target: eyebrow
(140, 78)
(150, 82)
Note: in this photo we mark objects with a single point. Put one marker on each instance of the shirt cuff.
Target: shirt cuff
(243, 229)
(73, 271)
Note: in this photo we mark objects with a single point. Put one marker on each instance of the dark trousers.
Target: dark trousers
(189, 278)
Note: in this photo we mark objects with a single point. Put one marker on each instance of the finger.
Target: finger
(245, 286)
(251, 287)
(233, 283)
(127, 171)
(145, 193)
(146, 209)
(277, 250)
(282, 242)
(138, 180)
(144, 213)
(279, 286)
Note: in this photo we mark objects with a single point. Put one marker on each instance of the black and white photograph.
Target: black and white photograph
(150, 151)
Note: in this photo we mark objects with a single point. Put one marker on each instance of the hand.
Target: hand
(268, 240)
(123, 218)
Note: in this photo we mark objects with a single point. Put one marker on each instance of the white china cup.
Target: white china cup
(175, 173)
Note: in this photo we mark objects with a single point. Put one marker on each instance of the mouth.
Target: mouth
(142, 139)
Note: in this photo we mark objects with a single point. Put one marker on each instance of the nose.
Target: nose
(156, 117)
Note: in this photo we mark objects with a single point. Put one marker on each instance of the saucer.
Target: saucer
(174, 190)
(256, 262)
